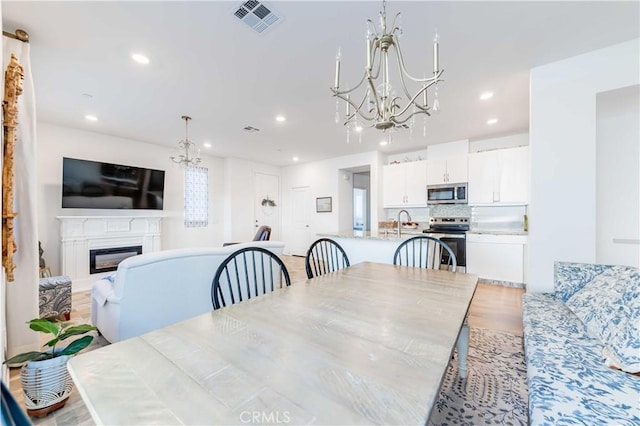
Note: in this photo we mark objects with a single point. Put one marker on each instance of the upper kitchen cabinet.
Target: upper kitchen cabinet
(499, 177)
(405, 184)
(451, 170)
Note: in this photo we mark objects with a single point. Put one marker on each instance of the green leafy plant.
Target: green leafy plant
(268, 202)
(60, 331)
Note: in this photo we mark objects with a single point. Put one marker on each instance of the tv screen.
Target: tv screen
(95, 185)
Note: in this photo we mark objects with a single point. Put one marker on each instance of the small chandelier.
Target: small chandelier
(187, 153)
(380, 105)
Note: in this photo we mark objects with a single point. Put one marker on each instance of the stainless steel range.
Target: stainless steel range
(453, 232)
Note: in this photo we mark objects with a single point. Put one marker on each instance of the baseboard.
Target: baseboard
(502, 283)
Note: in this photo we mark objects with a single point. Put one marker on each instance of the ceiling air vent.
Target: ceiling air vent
(250, 129)
(256, 15)
(402, 126)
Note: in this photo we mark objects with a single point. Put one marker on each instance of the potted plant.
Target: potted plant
(46, 383)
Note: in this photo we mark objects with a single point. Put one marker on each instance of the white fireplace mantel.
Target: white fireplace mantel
(80, 234)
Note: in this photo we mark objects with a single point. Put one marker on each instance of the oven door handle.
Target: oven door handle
(441, 236)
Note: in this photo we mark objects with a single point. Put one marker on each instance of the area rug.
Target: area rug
(495, 391)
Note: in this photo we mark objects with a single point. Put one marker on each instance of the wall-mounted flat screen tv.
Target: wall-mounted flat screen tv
(96, 185)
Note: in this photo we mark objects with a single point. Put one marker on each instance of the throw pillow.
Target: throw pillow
(609, 307)
(569, 278)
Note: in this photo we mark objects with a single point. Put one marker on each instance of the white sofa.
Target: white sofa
(154, 290)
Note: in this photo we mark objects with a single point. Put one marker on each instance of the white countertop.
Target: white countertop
(502, 232)
(408, 233)
(368, 236)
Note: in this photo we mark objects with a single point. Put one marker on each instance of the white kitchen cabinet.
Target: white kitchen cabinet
(496, 257)
(514, 175)
(393, 185)
(482, 177)
(499, 177)
(451, 170)
(405, 184)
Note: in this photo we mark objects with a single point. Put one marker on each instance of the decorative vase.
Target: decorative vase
(46, 385)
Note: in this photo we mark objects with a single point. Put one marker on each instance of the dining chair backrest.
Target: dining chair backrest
(425, 252)
(247, 273)
(263, 233)
(324, 256)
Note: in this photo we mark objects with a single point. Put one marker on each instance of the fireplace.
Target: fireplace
(107, 259)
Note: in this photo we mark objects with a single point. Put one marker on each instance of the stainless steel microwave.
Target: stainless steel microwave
(447, 194)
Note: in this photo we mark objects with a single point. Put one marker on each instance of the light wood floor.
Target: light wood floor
(493, 307)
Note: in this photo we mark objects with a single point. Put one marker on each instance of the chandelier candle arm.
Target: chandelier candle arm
(338, 56)
(405, 73)
(436, 55)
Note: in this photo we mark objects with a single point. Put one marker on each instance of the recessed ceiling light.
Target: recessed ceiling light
(141, 59)
(384, 143)
(295, 158)
(206, 145)
(492, 121)
(358, 128)
(486, 95)
(281, 118)
(91, 117)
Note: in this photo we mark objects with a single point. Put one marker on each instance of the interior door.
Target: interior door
(301, 216)
(267, 187)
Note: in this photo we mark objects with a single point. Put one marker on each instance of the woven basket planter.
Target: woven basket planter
(45, 384)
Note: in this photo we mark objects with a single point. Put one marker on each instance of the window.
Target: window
(196, 197)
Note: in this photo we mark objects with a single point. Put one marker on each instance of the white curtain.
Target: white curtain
(22, 293)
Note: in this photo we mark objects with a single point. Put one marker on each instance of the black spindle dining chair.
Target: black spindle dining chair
(324, 256)
(247, 273)
(425, 252)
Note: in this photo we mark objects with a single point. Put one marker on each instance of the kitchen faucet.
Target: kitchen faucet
(400, 223)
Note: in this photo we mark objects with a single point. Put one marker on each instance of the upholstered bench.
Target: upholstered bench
(55, 297)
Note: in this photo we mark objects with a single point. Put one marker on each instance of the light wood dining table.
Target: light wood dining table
(369, 344)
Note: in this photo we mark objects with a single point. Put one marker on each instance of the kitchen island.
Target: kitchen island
(364, 247)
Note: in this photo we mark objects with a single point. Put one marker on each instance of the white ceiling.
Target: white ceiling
(207, 64)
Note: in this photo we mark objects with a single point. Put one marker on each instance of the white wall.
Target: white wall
(55, 142)
(345, 201)
(441, 151)
(510, 141)
(562, 213)
(618, 176)
(324, 180)
(444, 151)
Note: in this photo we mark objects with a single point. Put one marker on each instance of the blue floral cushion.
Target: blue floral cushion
(571, 277)
(609, 307)
(567, 380)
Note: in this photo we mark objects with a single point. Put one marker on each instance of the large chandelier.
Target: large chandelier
(187, 153)
(380, 105)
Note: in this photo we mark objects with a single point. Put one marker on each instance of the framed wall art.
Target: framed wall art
(323, 204)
